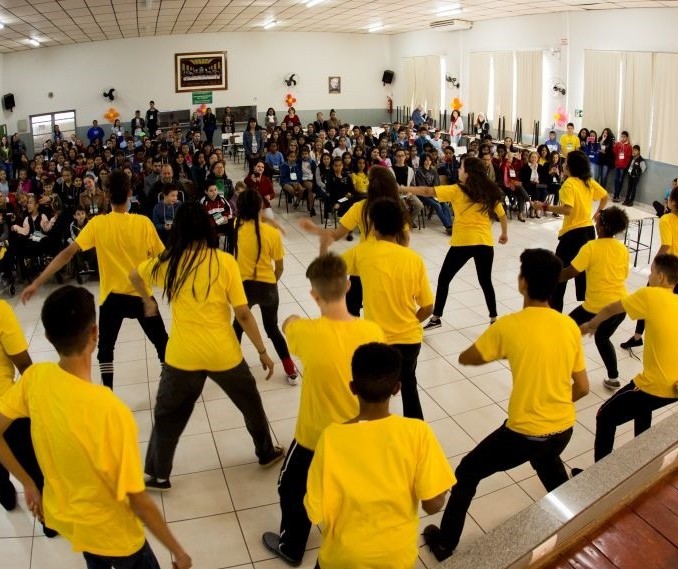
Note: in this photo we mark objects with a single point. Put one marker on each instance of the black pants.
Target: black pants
(142, 559)
(408, 380)
(602, 337)
(294, 525)
(18, 438)
(632, 188)
(628, 404)
(640, 324)
(266, 296)
(569, 245)
(112, 312)
(500, 451)
(354, 296)
(177, 395)
(456, 258)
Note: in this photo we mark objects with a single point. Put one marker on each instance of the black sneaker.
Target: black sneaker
(277, 456)
(631, 343)
(576, 472)
(8, 496)
(153, 483)
(616, 200)
(49, 532)
(312, 212)
(433, 323)
(448, 230)
(431, 535)
(271, 542)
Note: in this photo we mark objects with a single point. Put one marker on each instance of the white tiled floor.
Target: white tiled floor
(221, 501)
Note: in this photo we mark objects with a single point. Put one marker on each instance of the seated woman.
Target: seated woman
(263, 185)
(341, 192)
(509, 182)
(31, 234)
(427, 176)
(534, 179)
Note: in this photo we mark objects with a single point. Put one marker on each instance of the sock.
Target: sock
(288, 365)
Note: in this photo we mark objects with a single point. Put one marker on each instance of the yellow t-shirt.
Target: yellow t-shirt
(86, 442)
(12, 342)
(668, 232)
(471, 226)
(659, 307)
(122, 241)
(606, 262)
(541, 398)
(580, 197)
(325, 394)
(202, 337)
(354, 218)
(364, 488)
(360, 182)
(271, 250)
(568, 143)
(395, 284)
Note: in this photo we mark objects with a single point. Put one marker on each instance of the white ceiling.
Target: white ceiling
(61, 22)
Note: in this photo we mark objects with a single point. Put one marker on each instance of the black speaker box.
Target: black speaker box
(387, 77)
(8, 102)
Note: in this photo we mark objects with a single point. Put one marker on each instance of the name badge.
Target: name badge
(512, 173)
(219, 219)
(621, 156)
(293, 176)
(570, 147)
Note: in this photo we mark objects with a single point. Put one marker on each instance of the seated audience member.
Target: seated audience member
(165, 211)
(534, 179)
(427, 176)
(341, 194)
(290, 179)
(273, 160)
(509, 182)
(257, 180)
(355, 490)
(404, 175)
(219, 178)
(219, 210)
(308, 166)
(664, 208)
(359, 176)
(541, 415)
(92, 199)
(449, 167)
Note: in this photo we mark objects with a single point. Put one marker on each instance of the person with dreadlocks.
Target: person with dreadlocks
(259, 251)
(606, 262)
(201, 284)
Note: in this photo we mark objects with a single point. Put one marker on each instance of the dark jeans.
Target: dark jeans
(112, 312)
(266, 296)
(500, 451)
(568, 246)
(629, 403)
(294, 525)
(619, 175)
(177, 395)
(456, 258)
(442, 210)
(18, 438)
(408, 380)
(354, 296)
(632, 188)
(602, 337)
(142, 559)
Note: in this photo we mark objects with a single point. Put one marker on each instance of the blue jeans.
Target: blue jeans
(442, 210)
(619, 174)
(603, 171)
(595, 172)
(142, 559)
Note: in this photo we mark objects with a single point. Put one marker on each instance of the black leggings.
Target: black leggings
(354, 296)
(456, 258)
(18, 438)
(602, 337)
(569, 245)
(266, 296)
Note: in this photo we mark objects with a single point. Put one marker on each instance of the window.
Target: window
(42, 126)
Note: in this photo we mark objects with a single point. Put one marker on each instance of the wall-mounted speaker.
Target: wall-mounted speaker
(8, 102)
(387, 77)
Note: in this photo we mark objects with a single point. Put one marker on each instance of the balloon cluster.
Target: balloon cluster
(290, 100)
(560, 116)
(456, 104)
(202, 109)
(111, 115)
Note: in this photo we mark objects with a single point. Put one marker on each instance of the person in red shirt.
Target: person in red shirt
(622, 158)
(291, 119)
(263, 185)
(509, 165)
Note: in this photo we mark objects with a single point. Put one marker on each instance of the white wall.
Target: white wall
(141, 69)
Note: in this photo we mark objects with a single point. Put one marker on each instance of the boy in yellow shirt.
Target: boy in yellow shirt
(369, 474)
(569, 141)
(548, 377)
(657, 385)
(95, 499)
(325, 394)
(397, 294)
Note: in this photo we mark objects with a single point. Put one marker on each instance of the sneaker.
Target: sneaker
(152, 483)
(49, 532)
(8, 496)
(292, 379)
(277, 456)
(312, 212)
(611, 383)
(631, 343)
(271, 542)
(616, 200)
(431, 535)
(433, 323)
(448, 230)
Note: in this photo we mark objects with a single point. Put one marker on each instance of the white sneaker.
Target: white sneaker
(612, 384)
(292, 379)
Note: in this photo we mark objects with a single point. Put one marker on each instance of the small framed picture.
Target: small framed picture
(334, 84)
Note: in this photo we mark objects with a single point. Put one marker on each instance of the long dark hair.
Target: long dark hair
(382, 184)
(578, 166)
(248, 206)
(192, 241)
(478, 187)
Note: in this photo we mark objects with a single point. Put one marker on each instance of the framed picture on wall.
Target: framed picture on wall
(201, 71)
(334, 84)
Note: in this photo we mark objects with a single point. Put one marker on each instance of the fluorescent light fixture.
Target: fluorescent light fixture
(453, 10)
(268, 25)
(34, 42)
(312, 3)
(375, 28)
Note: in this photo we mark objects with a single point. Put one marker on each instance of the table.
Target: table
(633, 237)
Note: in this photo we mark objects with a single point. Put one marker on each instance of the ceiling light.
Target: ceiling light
(34, 42)
(2, 26)
(451, 12)
(312, 3)
(268, 25)
(375, 28)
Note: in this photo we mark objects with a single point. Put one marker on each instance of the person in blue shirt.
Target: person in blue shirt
(273, 160)
(95, 132)
(418, 116)
(421, 140)
(592, 150)
(290, 179)
(552, 143)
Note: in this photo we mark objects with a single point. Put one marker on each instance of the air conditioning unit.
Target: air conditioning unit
(450, 25)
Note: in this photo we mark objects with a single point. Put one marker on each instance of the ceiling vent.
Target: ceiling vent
(450, 25)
